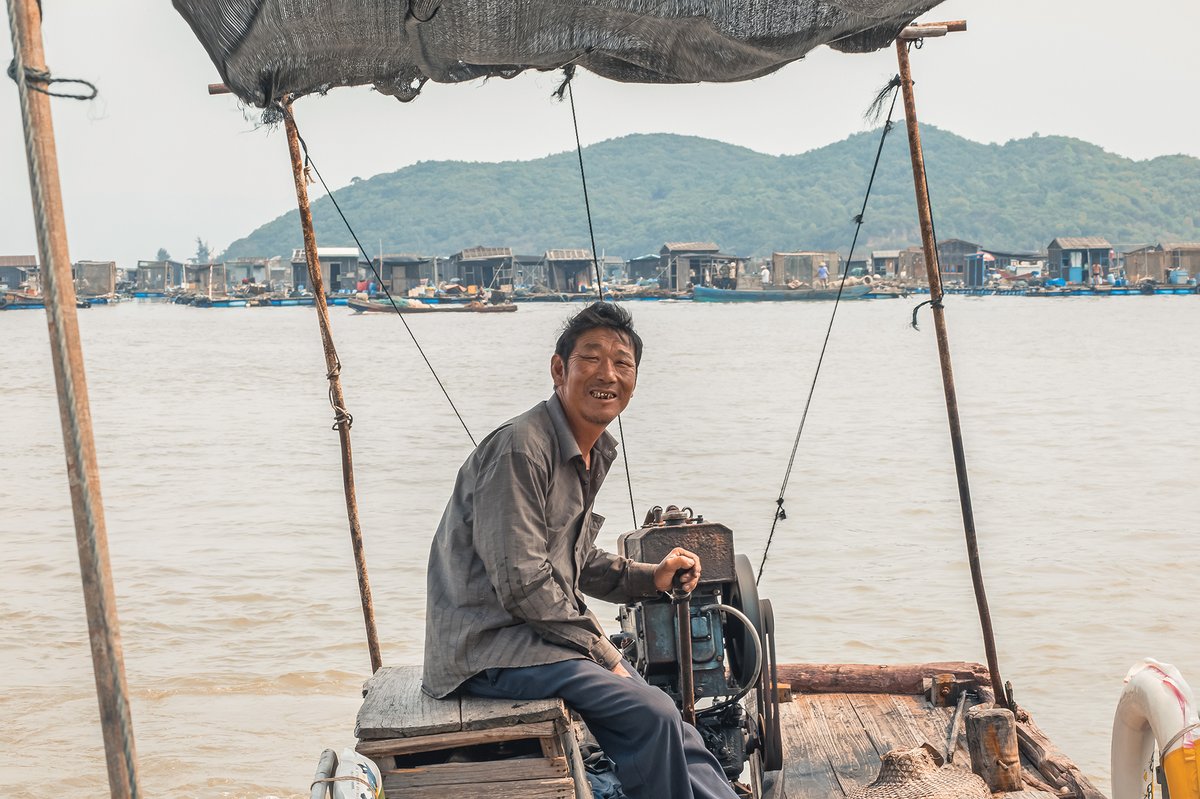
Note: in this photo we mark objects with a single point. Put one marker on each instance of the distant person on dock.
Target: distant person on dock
(823, 275)
(514, 554)
(765, 276)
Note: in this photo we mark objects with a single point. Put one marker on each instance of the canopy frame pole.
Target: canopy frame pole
(933, 274)
(83, 471)
(333, 365)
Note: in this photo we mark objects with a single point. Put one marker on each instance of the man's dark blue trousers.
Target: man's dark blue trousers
(658, 755)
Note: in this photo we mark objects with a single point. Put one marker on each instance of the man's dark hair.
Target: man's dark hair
(598, 314)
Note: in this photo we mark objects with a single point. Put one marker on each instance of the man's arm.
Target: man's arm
(617, 579)
(511, 536)
(613, 578)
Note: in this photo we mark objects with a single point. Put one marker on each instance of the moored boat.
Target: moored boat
(707, 294)
(406, 307)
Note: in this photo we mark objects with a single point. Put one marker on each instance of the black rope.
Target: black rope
(930, 303)
(780, 513)
(568, 74)
(37, 79)
(309, 162)
(937, 258)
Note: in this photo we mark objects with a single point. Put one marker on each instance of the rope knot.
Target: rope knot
(930, 303)
(36, 80)
(568, 76)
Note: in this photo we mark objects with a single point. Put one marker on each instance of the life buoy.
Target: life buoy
(1156, 708)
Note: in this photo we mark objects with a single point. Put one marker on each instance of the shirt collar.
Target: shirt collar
(568, 447)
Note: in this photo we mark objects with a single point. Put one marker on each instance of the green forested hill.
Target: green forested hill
(647, 189)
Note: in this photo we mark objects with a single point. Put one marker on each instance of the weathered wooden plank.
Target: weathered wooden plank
(885, 726)
(385, 747)
(853, 756)
(1034, 781)
(479, 713)
(516, 768)
(807, 772)
(864, 678)
(934, 722)
(396, 707)
(523, 789)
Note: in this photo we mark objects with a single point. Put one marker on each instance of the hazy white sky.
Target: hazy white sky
(156, 162)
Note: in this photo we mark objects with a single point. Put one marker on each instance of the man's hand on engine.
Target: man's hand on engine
(678, 560)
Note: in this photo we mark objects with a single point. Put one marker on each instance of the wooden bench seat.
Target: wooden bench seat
(465, 746)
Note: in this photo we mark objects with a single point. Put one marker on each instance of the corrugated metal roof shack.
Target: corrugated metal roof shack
(1076, 258)
(205, 279)
(483, 266)
(952, 258)
(18, 269)
(568, 270)
(403, 272)
(647, 267)
(259, 270)
(158, 276)
(339, 268)
(1158, 260)
(699, 263)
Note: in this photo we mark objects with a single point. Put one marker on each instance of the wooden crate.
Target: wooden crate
(467, 746)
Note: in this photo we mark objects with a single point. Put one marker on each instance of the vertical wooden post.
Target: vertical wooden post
(334, 366)
(992, 742)
(83, 472)
(943, 342)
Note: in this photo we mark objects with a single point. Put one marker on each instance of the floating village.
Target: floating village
(488, 278)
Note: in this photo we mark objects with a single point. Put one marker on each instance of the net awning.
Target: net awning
(266, 49)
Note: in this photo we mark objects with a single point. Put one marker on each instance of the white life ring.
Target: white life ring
(1156, 708)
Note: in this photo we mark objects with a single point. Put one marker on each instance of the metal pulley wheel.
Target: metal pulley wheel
(768, 696)
(743, 595)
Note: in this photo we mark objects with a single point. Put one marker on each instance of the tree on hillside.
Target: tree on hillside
(163, 255)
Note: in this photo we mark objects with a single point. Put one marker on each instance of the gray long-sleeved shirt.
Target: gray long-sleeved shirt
(514, 555)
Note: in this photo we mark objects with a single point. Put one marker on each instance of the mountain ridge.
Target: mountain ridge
(645, 189)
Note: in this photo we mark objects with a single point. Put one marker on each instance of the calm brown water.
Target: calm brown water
(243, 640)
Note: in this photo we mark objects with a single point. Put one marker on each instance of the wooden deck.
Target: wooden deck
(838, 723)
(833, 742)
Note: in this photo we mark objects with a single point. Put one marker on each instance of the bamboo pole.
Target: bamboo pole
(83, 472)
(934, 276)
(333, 365)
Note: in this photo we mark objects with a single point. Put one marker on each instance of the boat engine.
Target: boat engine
(712, 651)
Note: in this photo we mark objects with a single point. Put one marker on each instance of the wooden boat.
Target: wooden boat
(834, 722)
(291, 302)
(379, 306)
(16, 301)
(885, 293)
(838, 721)
(707, 294)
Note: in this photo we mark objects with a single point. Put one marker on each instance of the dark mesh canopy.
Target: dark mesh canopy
(265, 49)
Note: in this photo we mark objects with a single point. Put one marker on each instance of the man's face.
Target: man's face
(597, 381)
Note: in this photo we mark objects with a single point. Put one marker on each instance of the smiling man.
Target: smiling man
(514, 557)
